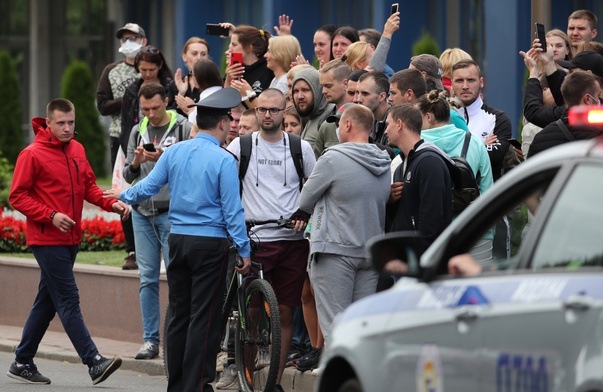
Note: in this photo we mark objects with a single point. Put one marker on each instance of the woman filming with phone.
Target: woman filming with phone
(250, 76)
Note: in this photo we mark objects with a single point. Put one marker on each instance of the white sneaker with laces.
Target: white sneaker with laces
(228, 378)
(220, 361)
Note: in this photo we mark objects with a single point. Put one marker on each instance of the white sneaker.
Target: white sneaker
(220, 361)
(316, 371)
(228, 378)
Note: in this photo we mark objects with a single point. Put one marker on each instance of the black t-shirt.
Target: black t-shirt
(258, 75)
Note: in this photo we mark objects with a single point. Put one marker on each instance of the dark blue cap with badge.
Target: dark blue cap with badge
(218, 103)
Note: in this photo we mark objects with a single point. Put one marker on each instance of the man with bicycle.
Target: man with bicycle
(271, 188)
(205, 206)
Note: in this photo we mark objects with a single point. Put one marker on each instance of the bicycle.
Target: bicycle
(255, 321)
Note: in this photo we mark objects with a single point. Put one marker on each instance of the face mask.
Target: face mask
(130, 49)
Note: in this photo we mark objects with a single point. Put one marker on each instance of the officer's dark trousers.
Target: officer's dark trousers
(196, 280)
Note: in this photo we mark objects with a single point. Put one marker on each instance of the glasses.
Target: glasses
(150, 49)
(272, 111)
(132, 38)
(597, 100)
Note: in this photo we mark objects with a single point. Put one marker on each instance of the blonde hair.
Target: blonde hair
(283, 50)
(451, 56)
(194, 40)
(356, 53)
(294, 70)
(565, 38)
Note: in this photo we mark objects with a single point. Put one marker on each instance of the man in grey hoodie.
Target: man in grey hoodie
(159, 129)
(348, 190)
(310, 102)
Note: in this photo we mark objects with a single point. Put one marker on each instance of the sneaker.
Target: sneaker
(130, 262)
(316, 371)
(278, 388)
(27, 373)
(221, 360)
(295, 353)
(147, 351)
(308, 361)
(102, 368)
(228, 378)
(263, 358)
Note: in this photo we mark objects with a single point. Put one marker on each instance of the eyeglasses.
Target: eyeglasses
(132, 38)
(597, 100)
(150, 49)
(272, 111)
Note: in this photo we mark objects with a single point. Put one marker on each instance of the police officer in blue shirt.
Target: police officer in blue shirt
(205, 205)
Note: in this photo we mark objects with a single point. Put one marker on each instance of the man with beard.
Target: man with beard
(310, 102)
(270, 189)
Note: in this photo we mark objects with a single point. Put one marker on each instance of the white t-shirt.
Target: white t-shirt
(271, 183)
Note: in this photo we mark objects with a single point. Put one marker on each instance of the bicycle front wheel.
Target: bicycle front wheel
(258, 339)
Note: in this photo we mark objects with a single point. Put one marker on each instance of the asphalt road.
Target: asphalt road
(74, 377)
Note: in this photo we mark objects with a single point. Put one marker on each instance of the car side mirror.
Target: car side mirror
(406, 246)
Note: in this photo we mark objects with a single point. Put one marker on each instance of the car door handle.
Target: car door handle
(466, 315)
(578, 302)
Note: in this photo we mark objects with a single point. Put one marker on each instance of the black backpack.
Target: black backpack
(466, 184)
(294, 148)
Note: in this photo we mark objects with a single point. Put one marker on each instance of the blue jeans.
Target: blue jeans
(57, 293)
(151, 238)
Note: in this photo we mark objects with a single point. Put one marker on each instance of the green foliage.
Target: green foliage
(426, 44)
(78, 87)
(11, 134)
(6, 171)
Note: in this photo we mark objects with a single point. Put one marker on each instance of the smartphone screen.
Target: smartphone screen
(540, 34)
(236, 58)
(394, 8)
(149, 147)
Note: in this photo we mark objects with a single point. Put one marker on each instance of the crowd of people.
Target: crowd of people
(346, 147)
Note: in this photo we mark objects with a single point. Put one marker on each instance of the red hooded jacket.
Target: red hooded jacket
(51, 175)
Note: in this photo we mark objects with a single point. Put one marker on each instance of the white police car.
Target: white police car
(533, 322)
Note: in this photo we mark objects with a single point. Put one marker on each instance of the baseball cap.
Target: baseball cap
(588, 61)
(131, 27)
(333, 118)
(431, 65)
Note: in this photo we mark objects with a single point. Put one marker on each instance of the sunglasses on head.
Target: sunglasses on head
(150, 49)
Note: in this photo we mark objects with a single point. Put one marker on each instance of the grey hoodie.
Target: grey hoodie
(161, 201)
(322, 109)
(348, 190)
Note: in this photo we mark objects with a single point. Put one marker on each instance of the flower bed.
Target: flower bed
(99, 232)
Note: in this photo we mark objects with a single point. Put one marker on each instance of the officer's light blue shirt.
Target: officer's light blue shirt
(204, 190)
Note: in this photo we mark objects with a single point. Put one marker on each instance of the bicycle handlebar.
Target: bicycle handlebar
(281, 222)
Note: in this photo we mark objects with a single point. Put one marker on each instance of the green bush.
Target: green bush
(6, 171)
(11, 134)
(78, 87)
(426, 44)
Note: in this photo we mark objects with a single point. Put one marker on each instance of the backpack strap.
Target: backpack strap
(565, 131)
(245, 142)
(298, 157)
(466, 144)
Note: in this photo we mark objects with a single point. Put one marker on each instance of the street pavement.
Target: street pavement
(56, 346)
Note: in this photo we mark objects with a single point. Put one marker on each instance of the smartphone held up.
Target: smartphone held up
(540, 34)
(395, 8)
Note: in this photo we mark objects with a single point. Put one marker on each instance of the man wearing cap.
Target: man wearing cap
(578, 88)
(205, 206)
(333, 80)
(431, 69)
(109, 92)
(347, 190)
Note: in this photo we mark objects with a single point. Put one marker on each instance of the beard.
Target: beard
(304, 112)
(272, 127)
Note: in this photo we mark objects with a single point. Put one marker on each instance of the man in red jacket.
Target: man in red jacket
(52, 179)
